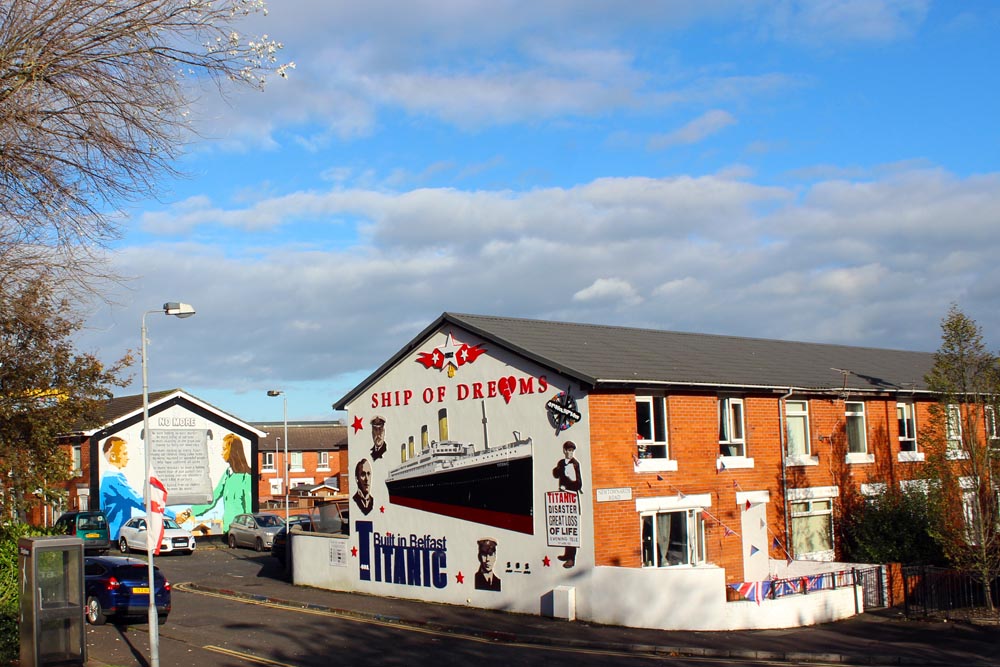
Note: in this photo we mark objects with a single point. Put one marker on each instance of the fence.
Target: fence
(871, 579)
(936, 591)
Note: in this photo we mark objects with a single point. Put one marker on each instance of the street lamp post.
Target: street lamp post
(177, 310)
(284, 401)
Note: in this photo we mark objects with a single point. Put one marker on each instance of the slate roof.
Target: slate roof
(611, 356)
(303, 437)
(114, 409)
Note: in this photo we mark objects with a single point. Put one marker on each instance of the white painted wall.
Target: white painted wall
(665, 599)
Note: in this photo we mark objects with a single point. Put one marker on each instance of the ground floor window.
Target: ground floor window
(673, 538)
(812, 528)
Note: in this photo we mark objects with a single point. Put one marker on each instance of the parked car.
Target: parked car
(281, 546)
(117, 587)
(91, 526)
(254, 530)
(133, 536)
(334, 517)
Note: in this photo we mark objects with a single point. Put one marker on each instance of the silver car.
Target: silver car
(254, 530)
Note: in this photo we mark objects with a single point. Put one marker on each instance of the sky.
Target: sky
(820, 171)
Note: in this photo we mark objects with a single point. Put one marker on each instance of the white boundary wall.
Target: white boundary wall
(665, 599)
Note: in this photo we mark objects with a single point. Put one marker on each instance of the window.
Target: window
(268, 461)
(77, 461)
(324, 460)
(990, 417)
(673, 538)
(731, 441)
(854, 416)
(812, 528)
(296, 460)
(953, 427)
(797, 428)
(651, 427)
(907, 427)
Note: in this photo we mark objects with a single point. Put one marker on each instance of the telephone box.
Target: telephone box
(52, 601)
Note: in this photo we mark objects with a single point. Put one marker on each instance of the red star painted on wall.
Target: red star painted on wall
(381, 509)
(354, 552)
(460, 578)
(358, 424)
(546, 562)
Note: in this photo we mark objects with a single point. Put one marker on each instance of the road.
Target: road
(214, 630)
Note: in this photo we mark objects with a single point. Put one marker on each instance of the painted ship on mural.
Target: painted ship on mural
(490, 485)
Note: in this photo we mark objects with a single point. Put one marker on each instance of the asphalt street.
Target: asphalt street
(237, 607)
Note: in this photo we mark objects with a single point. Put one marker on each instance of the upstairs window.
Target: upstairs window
(324, 460)
(651, 427)
(268, 461)
(854, 416)
(731, 438)
(990, 417)
(295, 458)
(907, 427)
(797, 428)
(953, 427)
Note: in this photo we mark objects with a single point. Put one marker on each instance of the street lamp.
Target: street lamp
(181, 310)
(284, 401)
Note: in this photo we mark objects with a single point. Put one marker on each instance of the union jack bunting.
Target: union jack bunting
(755, 591)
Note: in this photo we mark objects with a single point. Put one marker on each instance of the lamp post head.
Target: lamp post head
(274, 392)
(178, 309)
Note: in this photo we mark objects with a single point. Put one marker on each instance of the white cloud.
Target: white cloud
(609, 290)
(699, 129)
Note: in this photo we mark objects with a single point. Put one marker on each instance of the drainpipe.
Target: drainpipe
(782, 436)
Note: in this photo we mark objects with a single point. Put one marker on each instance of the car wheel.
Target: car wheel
(189, 552)
(95, 613)
(123, 546)
(161, 619)
(259, 544)
(232, 541)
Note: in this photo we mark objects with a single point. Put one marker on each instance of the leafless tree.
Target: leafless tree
(93, 102)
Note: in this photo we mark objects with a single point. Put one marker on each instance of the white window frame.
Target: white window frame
(812, 496)
(851, 412)
(268, 464)
(990, 419)
(324, 461)
(694, 535)
(732, 432)
(296, 462)
(77, 463)
(906, 426)
(653, 454)
(953, 433)
(798, 409)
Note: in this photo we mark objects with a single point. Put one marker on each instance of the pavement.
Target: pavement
(880, 637)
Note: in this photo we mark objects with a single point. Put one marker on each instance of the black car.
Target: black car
(118, 587)
(280, 546)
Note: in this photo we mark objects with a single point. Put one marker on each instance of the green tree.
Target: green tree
(962, 460)
(47, 390)
(888, 527)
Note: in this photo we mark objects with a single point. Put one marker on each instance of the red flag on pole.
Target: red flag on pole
(158, 504)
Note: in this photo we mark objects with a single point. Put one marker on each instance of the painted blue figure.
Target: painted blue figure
(118, 498)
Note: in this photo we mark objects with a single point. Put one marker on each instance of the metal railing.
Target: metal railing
(937, 591)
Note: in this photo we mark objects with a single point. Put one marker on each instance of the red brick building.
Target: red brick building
(316, 457)
(700, 461)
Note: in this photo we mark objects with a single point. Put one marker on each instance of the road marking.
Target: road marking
(247, 656)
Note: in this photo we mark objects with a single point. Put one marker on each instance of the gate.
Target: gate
(873, 582)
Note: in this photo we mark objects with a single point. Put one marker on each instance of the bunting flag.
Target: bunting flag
(706, 516)
(748, 505)
(755, 591)
(722, 464)
(753, 550)
(776, 544)
(763, 524)
(659, 478)
(787, 587)
(157, 505)
(729, 531)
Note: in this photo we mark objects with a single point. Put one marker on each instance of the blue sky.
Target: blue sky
(821, 171)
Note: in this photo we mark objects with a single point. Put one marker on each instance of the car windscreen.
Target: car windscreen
(269, 521)
(92, 522)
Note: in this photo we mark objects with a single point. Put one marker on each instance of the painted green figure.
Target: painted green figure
(233, 490)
